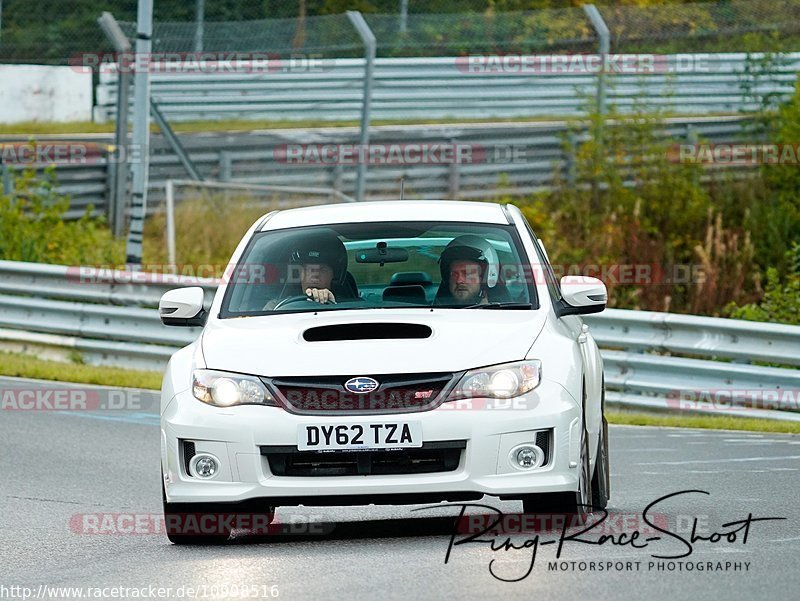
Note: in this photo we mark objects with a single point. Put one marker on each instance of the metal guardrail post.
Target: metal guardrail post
(336, 176)
(225, 166)
(8, 180)
(370, 46)
(691, 138)
(141, 131)
(570, 163)
(170, 197)
(454, 176)
(118, 172)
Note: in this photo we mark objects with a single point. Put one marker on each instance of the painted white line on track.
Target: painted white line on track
(624, 450)
(736, 460)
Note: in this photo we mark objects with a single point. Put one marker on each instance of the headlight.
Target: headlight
(224, 389)
(499, 381)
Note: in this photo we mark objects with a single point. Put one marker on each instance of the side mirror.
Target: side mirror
(182, 307)
(581, 295)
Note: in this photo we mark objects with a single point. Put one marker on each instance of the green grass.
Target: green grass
(24, 366)
(710, 422)
(87, 127)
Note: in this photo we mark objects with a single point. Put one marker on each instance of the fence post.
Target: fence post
(225, 166)
(141, 132)
(570, 162)
(403, 16)
(454, 176)
(170, 202)
(121, 154)
(199, 17)
(8, 180)
(604, 36)
(118, 172)
(370, 44)
(336, 176)
(691, 138)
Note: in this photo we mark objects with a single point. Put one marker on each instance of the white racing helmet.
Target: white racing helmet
(470, 247)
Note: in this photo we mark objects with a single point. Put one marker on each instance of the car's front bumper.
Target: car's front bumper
(235, 436)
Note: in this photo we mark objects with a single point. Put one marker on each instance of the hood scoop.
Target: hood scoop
(367, 331)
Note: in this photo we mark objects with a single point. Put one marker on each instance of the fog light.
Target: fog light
(204, 466)
(526, 457)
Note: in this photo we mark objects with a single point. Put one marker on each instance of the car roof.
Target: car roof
(388, 210)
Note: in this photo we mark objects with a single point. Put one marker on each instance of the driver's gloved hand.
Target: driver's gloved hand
(320, 295)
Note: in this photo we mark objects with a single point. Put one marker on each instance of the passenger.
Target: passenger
(470, 271)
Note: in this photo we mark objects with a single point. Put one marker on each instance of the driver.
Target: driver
(470, 271)
(320, 261)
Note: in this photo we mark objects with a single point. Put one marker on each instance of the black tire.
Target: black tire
(601, 481)
(181, 520)
(575, 506)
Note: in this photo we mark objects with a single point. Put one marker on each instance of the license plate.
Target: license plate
(339, 437)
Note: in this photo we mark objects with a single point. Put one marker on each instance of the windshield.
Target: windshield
(380, 265)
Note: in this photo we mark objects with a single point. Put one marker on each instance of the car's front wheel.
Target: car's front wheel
(601, 485)
(574, 506)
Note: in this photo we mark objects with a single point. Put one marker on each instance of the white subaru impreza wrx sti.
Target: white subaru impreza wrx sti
(384, 353)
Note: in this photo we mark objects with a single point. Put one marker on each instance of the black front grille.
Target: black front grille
(432, 457)
(395, 393)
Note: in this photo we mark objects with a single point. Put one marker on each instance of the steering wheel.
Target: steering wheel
(294, 299)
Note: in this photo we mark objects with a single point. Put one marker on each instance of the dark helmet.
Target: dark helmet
(471, 248)
(322, 247)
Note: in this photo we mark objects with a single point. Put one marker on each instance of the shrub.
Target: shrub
(781, 300)
(32, 227)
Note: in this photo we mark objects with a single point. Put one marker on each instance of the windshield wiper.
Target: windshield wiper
(506, 305)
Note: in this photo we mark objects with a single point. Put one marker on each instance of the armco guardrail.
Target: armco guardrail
(110, 318)
(457, 88)
(510, 158)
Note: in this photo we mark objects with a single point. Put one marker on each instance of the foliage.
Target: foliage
(781, 300)
(32, 227)
(629, 203)
(709, 239)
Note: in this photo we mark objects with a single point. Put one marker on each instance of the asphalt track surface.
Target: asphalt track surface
(59, 466)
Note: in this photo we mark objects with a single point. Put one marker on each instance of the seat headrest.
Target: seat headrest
(409, 278)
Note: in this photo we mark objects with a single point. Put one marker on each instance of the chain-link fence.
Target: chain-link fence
(730, 26)
(51, 32)
(325, 35)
